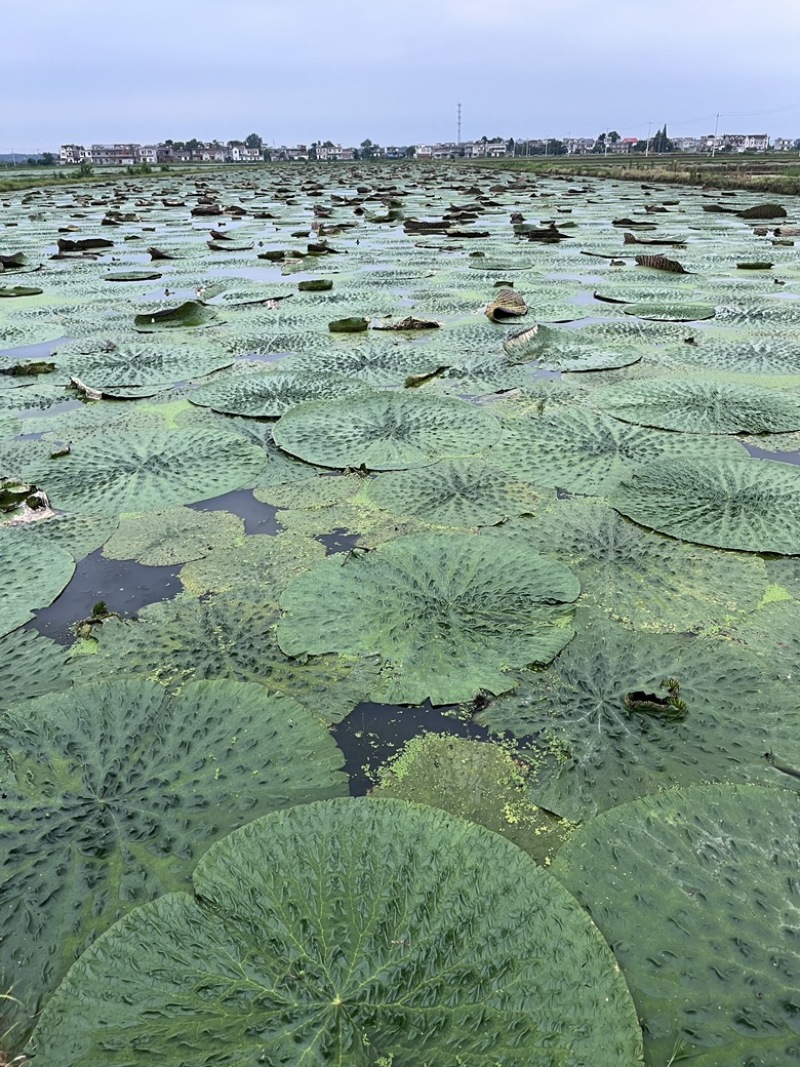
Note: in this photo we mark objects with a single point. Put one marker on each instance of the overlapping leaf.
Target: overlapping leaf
(335, 934)
(391, 432)
(607, 725)
(696, 891)
(112, 791)
(447, 614)
(744, 504)
(701, 405)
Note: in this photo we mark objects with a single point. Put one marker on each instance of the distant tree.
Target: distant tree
(193, 146)
(600, 142)
(661, 142)
(613, 137)
(328, 144)
(556, 148)
(48, 159)
(252, 140)
(411, 151)
(368, 149)
(511, 146)
(796, 143)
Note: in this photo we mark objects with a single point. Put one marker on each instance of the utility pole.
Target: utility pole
(647, 146)
(714, 144)
(459, 125)
(605, 144)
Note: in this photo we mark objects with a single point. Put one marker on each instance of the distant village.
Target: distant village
(254, 150)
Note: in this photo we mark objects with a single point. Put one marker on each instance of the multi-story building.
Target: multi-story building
(738, 142)
(71, 153)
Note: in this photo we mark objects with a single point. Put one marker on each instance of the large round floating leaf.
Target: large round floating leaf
(701, 405)
(761, 355)
(749, 505)
(114, 789)
(457, 492)
(448, 614)
(270, 394)
(104, 475)
(649, 582)
(390, 432)
(172, 535)
(379, 365)
(29, 664)
(587, 452)
(666, 312)
(336, 933)
(33, 576)
(188, 315)
(136, 364)
(264, 564)
(78, 534)
(322, 491)
(567, 350)
(696, 891)
(621, 714)
(230, 635)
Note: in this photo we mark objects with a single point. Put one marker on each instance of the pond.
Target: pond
(537, 512)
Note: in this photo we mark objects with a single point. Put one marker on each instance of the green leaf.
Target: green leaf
(701, 405)
(31, 664)
(264, 564)
(586, 452)
(190, 314)
(141, 363)
(350, 933)
(448, 614)
(481, 781)
(567, 350)
(611, 745)
(173, 535)
(453, 493)
(648, 582)
(388, 432)
(114, 789)
(696, 890)
(230, 635)
(670, 312)
(269, 394)
(749, 505)
(109, 475)
(33, 573)
(777, 355)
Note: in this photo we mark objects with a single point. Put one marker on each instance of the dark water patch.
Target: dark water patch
(124, 585)
(258, 518)
(373, 733)
(55, 409)
(778, 457)
(338, 540)
(37, 351)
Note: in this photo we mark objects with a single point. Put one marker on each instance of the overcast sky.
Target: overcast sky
(301, 70)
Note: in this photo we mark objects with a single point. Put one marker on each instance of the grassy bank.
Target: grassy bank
(771, 174)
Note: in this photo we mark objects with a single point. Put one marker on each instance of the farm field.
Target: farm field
(400, 620)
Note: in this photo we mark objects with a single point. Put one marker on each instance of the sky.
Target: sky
(296, 71)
